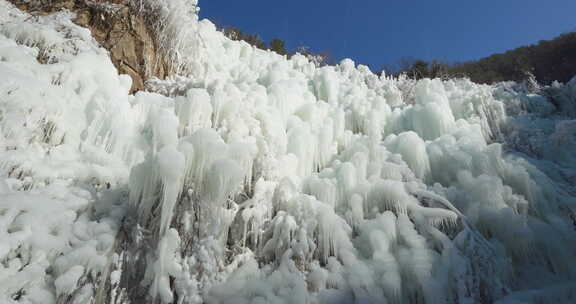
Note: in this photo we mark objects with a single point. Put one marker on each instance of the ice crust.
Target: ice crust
(253, 178)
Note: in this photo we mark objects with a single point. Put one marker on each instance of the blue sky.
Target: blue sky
(377, 32)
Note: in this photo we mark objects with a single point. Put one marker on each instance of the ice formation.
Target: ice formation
(254, 178)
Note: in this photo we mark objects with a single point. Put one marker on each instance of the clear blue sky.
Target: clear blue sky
(377, 32)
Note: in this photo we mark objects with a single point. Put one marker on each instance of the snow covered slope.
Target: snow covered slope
(256, 179)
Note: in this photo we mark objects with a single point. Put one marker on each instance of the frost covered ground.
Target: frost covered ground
(257, 179)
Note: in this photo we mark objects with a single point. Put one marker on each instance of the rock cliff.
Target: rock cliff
(117, 27)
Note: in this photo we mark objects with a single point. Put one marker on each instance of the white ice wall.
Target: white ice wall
(258, 179)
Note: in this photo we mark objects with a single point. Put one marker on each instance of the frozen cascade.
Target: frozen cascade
(254, 178)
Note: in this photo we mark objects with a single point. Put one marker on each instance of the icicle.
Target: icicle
(171, 165)
(167, 265)
(165, 129)
(222, 180)
(194, 111)
(413, 151)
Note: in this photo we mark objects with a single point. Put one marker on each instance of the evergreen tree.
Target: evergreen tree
(277, 46)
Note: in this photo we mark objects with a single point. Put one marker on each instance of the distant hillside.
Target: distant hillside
(548, 60)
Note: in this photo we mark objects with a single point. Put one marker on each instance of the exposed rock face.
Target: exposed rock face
(113, 23)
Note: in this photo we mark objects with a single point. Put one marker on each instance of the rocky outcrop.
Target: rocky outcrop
(115, 25)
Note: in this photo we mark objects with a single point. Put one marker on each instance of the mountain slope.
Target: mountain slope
(251, 178)
(549, 61)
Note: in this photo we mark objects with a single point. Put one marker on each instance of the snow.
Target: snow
(253, 178)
